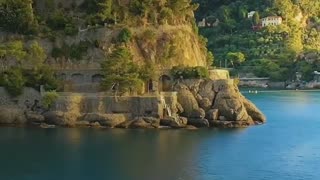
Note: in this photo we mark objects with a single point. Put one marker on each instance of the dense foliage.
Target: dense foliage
(49, 99)
(28, 68)
(274, 51)
(181, 72)
(121, 74)
(18, 16)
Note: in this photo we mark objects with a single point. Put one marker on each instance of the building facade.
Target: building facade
(251, 13)
(271, 20)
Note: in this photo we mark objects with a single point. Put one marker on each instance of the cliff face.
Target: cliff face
(168, 46)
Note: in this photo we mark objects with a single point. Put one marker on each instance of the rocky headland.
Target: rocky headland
(195, 103)
(113, 64)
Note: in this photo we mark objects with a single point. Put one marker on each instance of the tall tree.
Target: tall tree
(17, 16)
(120, 73)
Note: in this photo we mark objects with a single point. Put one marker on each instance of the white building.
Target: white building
(202, 23)
(271, 20)
(251, 13)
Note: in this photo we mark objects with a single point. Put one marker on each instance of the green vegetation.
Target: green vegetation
(13, 80)
(29, 22)
(49, 99)
(179, 72)
(121, 74)
(73, 51)
(125, 35)
(29, 68)
(17, 16)
(281, 48)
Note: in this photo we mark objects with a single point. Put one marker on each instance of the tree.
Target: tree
(125, 35)
(13, 80)
(210, 58)
(256, 18)
(36, 55)
(14, 51)
(120, 73)
(235, 58)
(17, 16)
(105, 9)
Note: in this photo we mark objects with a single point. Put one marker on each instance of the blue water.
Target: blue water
(286, 148)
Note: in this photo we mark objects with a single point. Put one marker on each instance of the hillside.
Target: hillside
(82, 34)
(276, 51)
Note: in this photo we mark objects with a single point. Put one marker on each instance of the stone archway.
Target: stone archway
(97, 78)
(165, 83)
(77, 78)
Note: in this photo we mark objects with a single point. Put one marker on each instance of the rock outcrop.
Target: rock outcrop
(217, 103)
(12, 115)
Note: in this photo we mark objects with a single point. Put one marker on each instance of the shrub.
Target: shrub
(125, 35)
(49, 99)
(189, 72)
(70, 29)
(13, 80)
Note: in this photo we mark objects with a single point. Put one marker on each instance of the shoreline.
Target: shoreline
(277, 90)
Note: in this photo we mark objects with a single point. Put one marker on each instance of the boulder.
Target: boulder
(206, 90)
(33, 117)
(180, 122)
(12, 115)
(198, 113)
(253, 111)
(222, 118)
(199, 123)
(143, 123)
(190, 127)
(154, 122)
(179, 108)
(230, 106)
(183, 120)
(46, 126)
(124, 125)
(187, 100)
(205, 104)
(82, 124)
(212, 114)
(95, 125)
(109, 120)
(55, 117)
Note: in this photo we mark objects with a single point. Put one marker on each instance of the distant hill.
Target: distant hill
(277, 51)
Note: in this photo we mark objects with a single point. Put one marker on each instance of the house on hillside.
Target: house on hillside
(202, 23)
(271, 20)
(250, 14)
(205, 22)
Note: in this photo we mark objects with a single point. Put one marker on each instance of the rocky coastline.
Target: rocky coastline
(197, 103)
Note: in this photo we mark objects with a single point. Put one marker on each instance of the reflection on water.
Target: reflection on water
(287, 147)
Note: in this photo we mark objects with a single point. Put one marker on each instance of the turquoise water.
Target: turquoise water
(286, 148)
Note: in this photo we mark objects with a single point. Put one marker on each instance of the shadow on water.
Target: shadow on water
(112, 154)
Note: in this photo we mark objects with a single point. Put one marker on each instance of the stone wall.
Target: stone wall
(153, 105)
(217, 74)
(29, 94)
